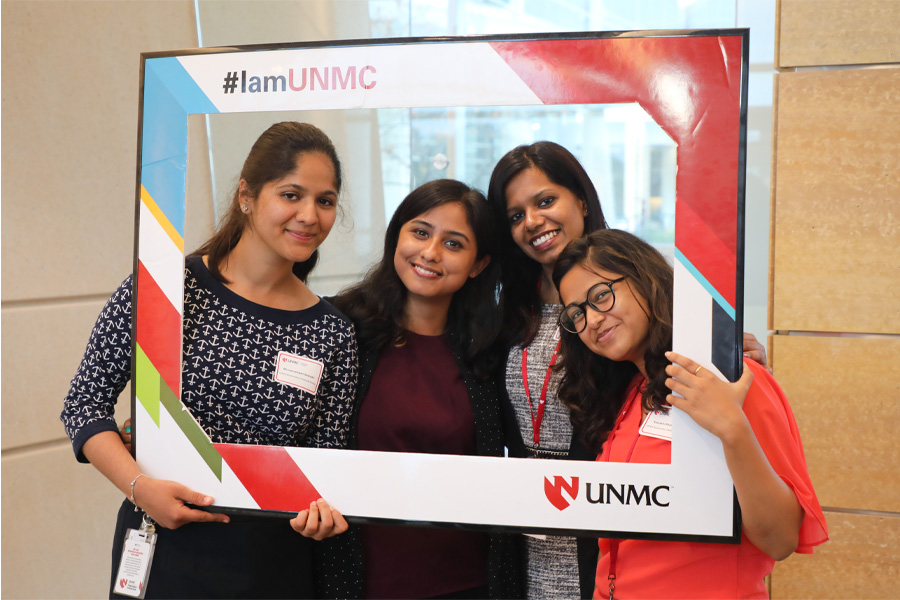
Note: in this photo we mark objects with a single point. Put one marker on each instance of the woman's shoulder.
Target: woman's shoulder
(764, 382)
(202, 288)
(769, 411)
(772, 419)
(328, 308)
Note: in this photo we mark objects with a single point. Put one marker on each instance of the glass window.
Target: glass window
(630, 159)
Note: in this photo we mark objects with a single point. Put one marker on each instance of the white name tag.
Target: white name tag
(131, 579)
(298, 371)
(658, 424)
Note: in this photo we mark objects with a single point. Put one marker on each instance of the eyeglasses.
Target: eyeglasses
(600, 297)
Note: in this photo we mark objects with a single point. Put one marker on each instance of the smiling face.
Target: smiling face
(292, 215)
(437, 253)
(543, 216)
(621, 334)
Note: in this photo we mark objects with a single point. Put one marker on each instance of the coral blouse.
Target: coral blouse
(662, 569)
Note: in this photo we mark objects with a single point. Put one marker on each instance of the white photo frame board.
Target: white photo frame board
(694, 85)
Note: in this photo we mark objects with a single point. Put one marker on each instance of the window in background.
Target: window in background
(628, 157)
(634, 181)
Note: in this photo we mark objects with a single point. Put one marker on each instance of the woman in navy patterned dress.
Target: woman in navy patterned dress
(245, 301)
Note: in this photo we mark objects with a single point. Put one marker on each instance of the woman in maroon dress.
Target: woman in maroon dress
(426, 320)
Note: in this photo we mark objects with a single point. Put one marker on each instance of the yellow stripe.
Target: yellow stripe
(161, 218)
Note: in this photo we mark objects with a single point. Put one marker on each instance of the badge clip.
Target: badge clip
(137, 555)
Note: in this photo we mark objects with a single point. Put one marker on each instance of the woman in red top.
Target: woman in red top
(617, 292)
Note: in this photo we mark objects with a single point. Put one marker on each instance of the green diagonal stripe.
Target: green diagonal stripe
(146, 384)
(191, 430)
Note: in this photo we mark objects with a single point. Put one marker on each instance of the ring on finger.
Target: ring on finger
(698, 369)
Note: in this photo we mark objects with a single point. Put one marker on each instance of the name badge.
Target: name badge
(658, 424)
(134, 567)
(298, 371)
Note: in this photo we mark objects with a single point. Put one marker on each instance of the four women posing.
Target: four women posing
(426, 315)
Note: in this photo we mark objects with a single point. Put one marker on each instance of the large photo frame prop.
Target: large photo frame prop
(692, 83)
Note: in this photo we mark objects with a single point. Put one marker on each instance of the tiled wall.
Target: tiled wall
(70, 114)
(835, 282)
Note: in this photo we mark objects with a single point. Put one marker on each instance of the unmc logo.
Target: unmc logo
(554, 491)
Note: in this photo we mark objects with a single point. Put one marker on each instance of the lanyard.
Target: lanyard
(536, 420)
(613, 553)
(614, 543)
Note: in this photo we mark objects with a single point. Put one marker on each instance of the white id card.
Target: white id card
(298, 371)
(658, 424)
(134, 568)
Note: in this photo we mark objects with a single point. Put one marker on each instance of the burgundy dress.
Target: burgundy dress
(418, 402)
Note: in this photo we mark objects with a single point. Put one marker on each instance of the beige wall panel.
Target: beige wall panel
(838, 32)
(69, 110)
(58, 522)
(46, 341)
(861, 560)
(844, 395)
(236, 22)
(38, 372)
(837, 219)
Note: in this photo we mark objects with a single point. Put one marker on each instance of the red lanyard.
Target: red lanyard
(536, 421)
(614, 543)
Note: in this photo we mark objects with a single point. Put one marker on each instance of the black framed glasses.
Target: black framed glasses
(601, 297)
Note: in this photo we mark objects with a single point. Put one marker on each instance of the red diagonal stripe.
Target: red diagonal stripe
(690, 86)
(159, 329)
(270, 475)
(705, 251)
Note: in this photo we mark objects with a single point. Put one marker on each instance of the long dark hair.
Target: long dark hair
(594, 387)
(520, 298)
(273, 155)
(377, 304)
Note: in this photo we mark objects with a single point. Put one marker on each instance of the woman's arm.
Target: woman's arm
(336, 394)
(88, 415)
(337, 389)
(770, 510)
(164, 501)
(754, 350)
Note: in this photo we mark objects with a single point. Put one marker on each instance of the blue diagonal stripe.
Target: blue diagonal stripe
(170, 94)
(181, 85)
(719, 298)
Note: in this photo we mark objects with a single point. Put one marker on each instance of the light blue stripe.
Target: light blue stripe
(170, 94)
(164, 149)
(181, 85)
(719, 298)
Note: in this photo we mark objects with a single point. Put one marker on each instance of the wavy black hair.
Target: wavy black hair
(594, 387)
(377, 304)
(520, 298)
